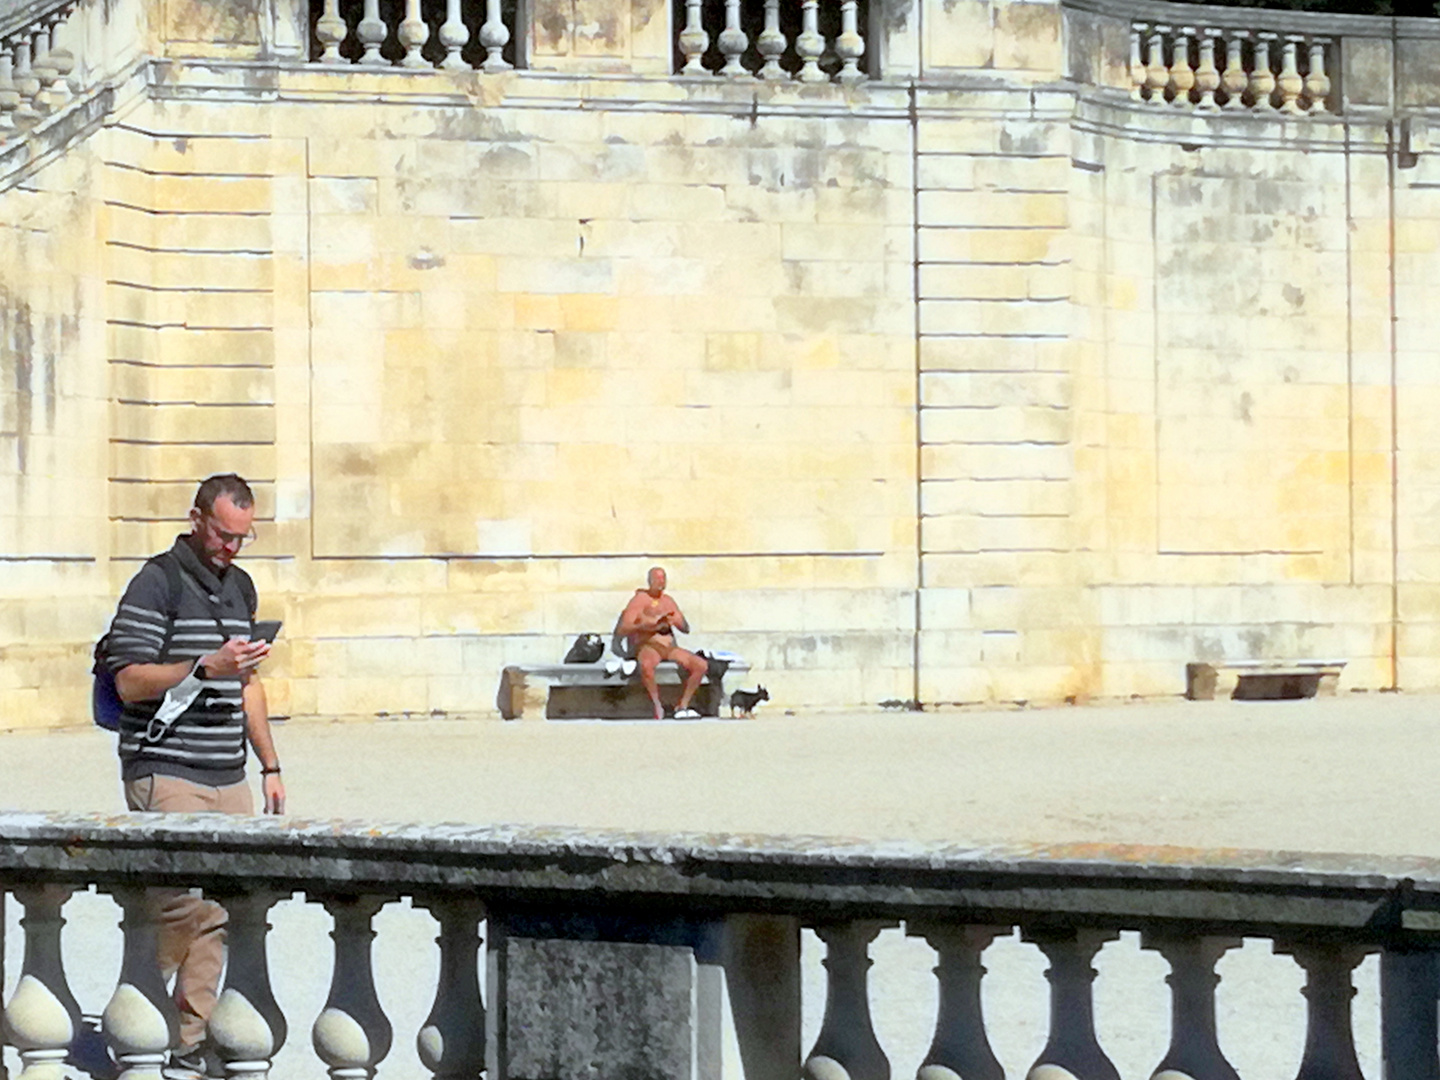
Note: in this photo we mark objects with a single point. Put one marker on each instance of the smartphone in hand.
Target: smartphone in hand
(266, 630)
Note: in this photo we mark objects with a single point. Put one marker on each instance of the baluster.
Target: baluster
(960, 1049)
(330, 28)
(352, 1033)
(1234, 80)
(1317, 83)
(247, 1026)
(41, 68)
(1182, 75)
(25, 82)
(732, 41)
(1157, 76)
(1262, 79)
(771, 43)
(42, 1018)
(1072, 1045)
(454, 35)
(9, 95)
(372, 31)
(850, 46)
(61, 61)
(846, 1048)
(494, 35)
(810, 45)
(414, 33)
(1329, 1040)
(140, 1022)
(1207, 75)
(693, 40)
(452, 1041)
(1137, 66)
(1291, 85)
(1194, 1052)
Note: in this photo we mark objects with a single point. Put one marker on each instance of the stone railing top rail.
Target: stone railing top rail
(1220, 890)
(1309, 23)
(21, 14)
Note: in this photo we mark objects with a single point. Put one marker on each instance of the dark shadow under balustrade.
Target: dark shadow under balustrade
(614, 955)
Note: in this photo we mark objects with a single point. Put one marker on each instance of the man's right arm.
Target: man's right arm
(630, 617)
(146, 682)
(138, 633)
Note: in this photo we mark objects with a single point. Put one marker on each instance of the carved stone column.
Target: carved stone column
(1194, 1052)
(1182, 75)
(1317, 83)
(732, 42)
(414, 32)
(846, 1048)
(454, 35)
(42, 1017)
(771, 43)
(371, 32)
(1072, 1046)
(452, 1041)
(1233, 79)
(140, 1022)
(1329, 1038)
(809, 45)
(960, 1049)
(494, 35)
(330, 29)
(693, 39)
(352, 1033)
(247, 1026)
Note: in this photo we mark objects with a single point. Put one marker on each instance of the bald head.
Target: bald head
(655, 582)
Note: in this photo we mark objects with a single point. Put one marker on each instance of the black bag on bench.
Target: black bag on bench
(586, 650)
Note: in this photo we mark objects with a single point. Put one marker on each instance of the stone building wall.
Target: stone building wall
(979, 382)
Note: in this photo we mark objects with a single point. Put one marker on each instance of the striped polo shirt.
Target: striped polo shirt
(206, 743)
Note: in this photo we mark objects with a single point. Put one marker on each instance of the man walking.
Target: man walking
(186, 672)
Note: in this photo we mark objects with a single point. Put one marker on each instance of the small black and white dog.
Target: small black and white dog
(746, 700)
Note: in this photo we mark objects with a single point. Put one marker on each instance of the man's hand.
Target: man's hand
(274, 789)
(235, 657)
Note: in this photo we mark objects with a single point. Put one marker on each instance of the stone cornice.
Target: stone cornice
(1279, 894)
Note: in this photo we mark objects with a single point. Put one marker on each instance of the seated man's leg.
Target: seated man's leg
(695, 669)
(649, 658)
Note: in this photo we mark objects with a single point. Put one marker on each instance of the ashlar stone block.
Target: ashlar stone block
(603, 998)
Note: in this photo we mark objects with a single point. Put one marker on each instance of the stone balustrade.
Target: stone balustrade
(1209, 67)
(807, 41)
(605, 953)
(473, 34)
(37, 64)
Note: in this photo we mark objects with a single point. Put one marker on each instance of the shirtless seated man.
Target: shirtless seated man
(650, 621)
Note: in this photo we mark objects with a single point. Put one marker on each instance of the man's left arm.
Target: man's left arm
(677, 618)
(257, 726)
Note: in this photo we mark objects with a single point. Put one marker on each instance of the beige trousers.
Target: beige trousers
(192, 929)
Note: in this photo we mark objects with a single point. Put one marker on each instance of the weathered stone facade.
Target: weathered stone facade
(985, 379)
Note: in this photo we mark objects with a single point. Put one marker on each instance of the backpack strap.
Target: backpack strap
(174, 586)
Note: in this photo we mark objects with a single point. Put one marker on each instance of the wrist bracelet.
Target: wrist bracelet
(267, 771)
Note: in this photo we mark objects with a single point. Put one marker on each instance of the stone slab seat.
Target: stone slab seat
(1211, 679)
(565, 691)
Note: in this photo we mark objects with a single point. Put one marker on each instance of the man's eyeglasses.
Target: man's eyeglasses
(228, 538)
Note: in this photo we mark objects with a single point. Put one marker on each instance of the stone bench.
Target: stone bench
(570, 691)
(1209, 680)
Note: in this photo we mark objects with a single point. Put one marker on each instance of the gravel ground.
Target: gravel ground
(1352, 775)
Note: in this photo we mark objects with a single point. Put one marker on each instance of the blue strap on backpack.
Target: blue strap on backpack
(105, 703)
